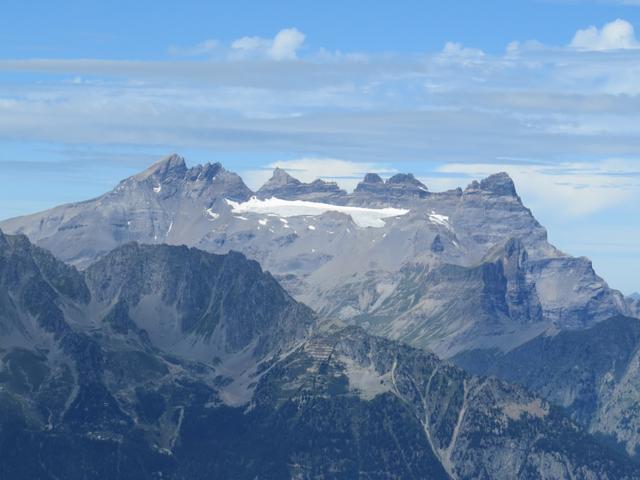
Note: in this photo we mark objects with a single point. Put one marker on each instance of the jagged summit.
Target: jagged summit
(224, 301)
(165, 203)
(284, 186)
(171, 165)
(173, 168)
(498, 184)
(397, 179)
(372, 178)
(406, 179)
(399, 190)
(205, 172)
(281, 177)
(170, 177)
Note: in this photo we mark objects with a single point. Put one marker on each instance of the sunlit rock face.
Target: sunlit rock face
(450, 271)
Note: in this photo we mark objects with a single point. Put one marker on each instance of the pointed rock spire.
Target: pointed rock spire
(497, 184)
(205, 172)
(372, 178)
(281, 177)
(170, 166)
(406, 179)
(284, 186)
(399, 190)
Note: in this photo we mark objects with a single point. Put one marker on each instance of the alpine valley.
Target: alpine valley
(182, 326)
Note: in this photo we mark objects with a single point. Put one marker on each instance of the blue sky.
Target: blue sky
(93, 91)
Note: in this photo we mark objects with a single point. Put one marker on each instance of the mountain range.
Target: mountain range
(290, 331)
(168, 362)
(392, 256)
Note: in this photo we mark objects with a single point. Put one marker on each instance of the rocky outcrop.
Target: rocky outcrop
(399, 190)
(592, 373)
(197, 303)
(282, 185)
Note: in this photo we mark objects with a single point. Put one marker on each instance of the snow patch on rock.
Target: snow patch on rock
(363, 217)
(438, 219)
(211, 213)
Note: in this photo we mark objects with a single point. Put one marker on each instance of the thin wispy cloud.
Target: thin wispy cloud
(569, 104)
(284, 46)
(205, 47)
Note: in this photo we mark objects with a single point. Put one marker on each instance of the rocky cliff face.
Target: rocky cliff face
(453, 307)
(399, 191)
(196, 304)
(87, 395)
(283, 185)
(592, 373)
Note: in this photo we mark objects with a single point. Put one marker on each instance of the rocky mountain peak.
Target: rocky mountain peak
(283, 185)
(281, 177)
(223, 301)
(206, 172)
(499, 184)
(167, 167)
(406, 179)
(372, 178)
(399, 190)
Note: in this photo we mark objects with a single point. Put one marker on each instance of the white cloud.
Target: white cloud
(455, 106)
(541, 103)
(203, 48)
(616, 35)
(250, 44)
(284, 46)
(455, 49)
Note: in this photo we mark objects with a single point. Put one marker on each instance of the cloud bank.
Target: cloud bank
(348, 113)
(616, 35)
